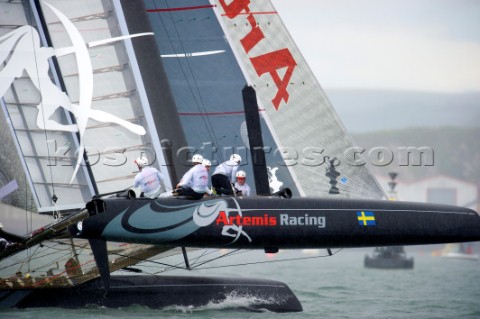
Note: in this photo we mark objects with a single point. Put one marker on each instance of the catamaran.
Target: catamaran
(88, 86)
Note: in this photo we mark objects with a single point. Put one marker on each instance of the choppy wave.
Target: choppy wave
(234, 300)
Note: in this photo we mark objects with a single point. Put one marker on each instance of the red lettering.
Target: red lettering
(235, 7)
(266, 63)
(238, 220)
(254, 36)
(270, 63)
(222, 218)
(273, 221)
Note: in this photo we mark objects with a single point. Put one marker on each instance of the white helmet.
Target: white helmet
(241, 174)
(197, 158)
(236, 158)
(141, 161)
(206, 162)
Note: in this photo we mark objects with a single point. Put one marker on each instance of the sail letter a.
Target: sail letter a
(270, 63)
(254, 36)
(235, 7)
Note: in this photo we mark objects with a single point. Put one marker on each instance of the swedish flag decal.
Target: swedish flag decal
(366, 218)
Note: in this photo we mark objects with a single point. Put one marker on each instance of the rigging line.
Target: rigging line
(201, 104)
(268, 261)
(238, 251)
(46, 280)
(169, 267)
(53, 262)
(231, 253)
(182, 69)
(28, 227)
(204, 253)
(198, 104)
(150, 261)
(175, 266)
(66, 251)
(27, 258)
(173, 47)
(207, 252)
(30, 257)
(32, 18)
(47, 246)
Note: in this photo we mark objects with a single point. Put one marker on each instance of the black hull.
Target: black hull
(388, 263)
(257, 223)
(158, 292)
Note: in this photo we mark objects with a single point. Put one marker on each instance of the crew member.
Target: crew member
(241, 184)
(195, 182)
(149, 179)
(224, 175)
(207, 164)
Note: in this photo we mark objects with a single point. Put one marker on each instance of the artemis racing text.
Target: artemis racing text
(266, 220)
(303, 220)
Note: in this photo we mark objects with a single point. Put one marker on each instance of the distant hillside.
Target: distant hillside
(373, 110)
(456, 151)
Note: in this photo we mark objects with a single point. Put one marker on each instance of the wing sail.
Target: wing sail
(74, 101)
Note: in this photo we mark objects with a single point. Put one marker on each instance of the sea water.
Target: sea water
(328, 287)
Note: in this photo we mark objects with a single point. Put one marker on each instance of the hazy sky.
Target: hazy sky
(421, 45)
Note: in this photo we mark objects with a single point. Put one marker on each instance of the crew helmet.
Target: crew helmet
(236, 158)
(141, 161)
(241, 174)
(206, 162)
(197, 158)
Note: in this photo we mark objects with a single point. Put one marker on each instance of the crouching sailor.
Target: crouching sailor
(149, 180)
(194, 183)
(225, 174)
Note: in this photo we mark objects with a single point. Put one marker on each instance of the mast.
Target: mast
(163, 109)
(255, 139)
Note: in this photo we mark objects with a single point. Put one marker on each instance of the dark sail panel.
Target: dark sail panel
(207, 83)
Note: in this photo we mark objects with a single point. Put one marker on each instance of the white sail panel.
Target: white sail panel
(24, 78)
(112, 126)
(70, 98)
(306, 127)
